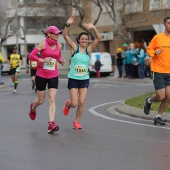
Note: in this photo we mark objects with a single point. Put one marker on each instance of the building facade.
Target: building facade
(28, 21)
(135, 20)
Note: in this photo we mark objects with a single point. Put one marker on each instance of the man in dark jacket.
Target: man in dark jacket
(97, 67)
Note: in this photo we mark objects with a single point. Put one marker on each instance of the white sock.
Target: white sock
(149, 100)
(158, 115)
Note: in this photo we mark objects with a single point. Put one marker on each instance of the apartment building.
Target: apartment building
(139, 20)
(30, 18)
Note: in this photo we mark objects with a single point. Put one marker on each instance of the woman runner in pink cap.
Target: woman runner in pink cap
(47, 73)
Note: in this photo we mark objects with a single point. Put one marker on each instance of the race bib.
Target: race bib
(80, 70)
(33, 64)
(50, 65)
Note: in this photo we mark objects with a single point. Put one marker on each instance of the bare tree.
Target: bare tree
(5, 34)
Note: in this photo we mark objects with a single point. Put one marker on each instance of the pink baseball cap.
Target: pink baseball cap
(53, 29)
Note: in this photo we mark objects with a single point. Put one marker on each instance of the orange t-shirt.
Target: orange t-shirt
(161, 62)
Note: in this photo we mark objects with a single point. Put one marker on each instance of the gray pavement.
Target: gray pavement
(106, 141)
(122, 108)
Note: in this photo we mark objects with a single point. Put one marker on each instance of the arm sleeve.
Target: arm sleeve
(33, 55)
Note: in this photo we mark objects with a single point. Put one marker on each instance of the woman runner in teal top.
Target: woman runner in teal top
(78, 75)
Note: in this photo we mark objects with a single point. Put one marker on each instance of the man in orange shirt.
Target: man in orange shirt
(159, 50)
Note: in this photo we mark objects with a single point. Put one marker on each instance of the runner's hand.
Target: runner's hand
(88, 25)
(62, 62)
(47, 59)
(158, 51)
(70, 20)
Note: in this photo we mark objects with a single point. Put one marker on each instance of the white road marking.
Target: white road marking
(92, 110)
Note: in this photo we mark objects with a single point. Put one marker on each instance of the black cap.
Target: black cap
(14, 48)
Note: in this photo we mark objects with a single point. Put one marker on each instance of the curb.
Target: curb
(122, 108)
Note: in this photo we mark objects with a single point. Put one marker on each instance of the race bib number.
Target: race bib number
(80, 70)
(50, 65)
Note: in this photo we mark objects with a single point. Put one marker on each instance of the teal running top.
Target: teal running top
(79, 65)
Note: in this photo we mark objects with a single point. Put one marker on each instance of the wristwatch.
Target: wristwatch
(67, 25)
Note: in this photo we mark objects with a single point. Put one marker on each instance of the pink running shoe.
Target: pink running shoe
(32, 113)
(66, 109)
(76, 125)
(52, 127)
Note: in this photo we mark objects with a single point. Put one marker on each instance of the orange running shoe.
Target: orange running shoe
(76, 125)
(66, 109)
(32, 112)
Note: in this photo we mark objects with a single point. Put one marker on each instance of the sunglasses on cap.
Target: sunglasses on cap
(53, 33)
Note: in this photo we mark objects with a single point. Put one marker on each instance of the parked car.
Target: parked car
(6, 68)
(106, 61)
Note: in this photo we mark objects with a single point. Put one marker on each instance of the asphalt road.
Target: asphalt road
(106, 142)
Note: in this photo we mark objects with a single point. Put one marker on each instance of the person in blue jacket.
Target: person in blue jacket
(130, 58)
(141, 56)
(124, 59)
(134, 59)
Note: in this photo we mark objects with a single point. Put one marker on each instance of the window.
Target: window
(155, 4)
(137, 6)
(134, 6)
(166, 4)
(31, 23)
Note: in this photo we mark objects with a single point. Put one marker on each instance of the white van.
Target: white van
(105, 59)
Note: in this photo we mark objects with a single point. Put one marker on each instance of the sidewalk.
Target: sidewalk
(122, 108)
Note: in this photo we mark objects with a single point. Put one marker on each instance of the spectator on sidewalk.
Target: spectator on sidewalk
(141, 56)
(134, 65)
(97, 66)
(124, 61)
(119, 61)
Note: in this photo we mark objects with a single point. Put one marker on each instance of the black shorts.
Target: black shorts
(160, 80)
(77, 84)
(13, 71)
(33, 72)
(41, 83)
